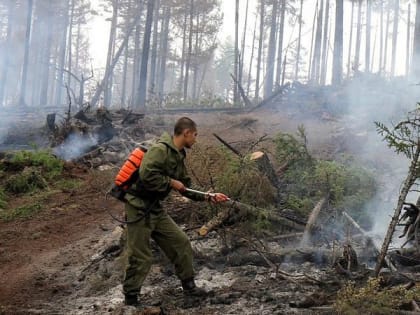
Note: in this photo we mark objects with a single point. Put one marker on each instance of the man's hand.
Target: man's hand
(217, 197)
(177, 185)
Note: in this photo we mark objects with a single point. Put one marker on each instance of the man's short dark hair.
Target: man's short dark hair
(182, 124)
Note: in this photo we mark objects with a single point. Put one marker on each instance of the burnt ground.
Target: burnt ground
(60, 261)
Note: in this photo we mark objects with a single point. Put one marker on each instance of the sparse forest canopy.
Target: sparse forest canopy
(183, 52)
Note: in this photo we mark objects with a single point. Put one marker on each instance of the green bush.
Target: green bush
(28, 180)
(22, 212)
(307, 179)
(51, 166)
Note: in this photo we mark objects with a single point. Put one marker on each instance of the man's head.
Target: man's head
(185, 132)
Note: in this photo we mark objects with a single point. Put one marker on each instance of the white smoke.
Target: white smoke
(388, 103)
(75, 145)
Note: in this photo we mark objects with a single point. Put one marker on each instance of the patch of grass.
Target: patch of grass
(3, 198)
(68, 184)
(372, 299)
(28, 180)
(50, 165)
(22, 212)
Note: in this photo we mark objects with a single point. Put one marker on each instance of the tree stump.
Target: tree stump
(266, 168)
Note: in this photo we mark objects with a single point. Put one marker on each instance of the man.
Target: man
(161, 170)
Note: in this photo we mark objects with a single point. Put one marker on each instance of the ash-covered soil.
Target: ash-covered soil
(68, 258)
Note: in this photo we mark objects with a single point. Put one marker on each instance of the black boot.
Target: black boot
(190, 289)
(131, 300)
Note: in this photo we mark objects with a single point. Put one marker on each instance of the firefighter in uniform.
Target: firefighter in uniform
(161, 170)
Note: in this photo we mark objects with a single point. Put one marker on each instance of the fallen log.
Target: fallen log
(318, 256)
(236, 209)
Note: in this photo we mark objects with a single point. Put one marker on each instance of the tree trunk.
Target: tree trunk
(312, 41)
(271, 54)
(111, 46)
(415, 65)
(136, 61)
(5, 61)
(78, 39)
(368, 26)
(388, 21)
(324, 44)
(299, 40)
(236, 61)
(407, 53)
(62, 57)
(69, 42)
(337, 72)
(142, 89)
(251, 59)
(260, 47)
(395, 36)
(409, 181)
(184, 45)
(109, 69)
(188, 61)
(196, 54)
(164, 51)
(124, 77)
(317, 49)
(280, 43)
(26, 54)
(350, 40)
(242, 55)
(153, 57)
(45, 76)
(381, 36)
(358, 37)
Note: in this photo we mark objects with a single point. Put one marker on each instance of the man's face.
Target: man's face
(190, 136)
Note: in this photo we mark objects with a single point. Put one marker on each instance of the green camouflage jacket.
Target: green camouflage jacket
(162, 162)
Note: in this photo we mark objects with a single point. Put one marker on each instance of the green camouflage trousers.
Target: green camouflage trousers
(167, 234)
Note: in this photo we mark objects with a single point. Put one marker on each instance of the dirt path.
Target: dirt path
(38, 255)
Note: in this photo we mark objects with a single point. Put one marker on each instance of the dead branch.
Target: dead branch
(247, 101)
(228, 146)
(239, 210)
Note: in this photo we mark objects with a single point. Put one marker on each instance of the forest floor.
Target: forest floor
(54, 262)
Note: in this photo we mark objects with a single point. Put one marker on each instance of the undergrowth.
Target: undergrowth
(372, 299)
(28, 179)
(306, 179)
(51, 166)
(22, 212)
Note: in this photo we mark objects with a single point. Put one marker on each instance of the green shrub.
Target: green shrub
(51, 166)
(22, 212)
(28, 180)
(307, 179)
